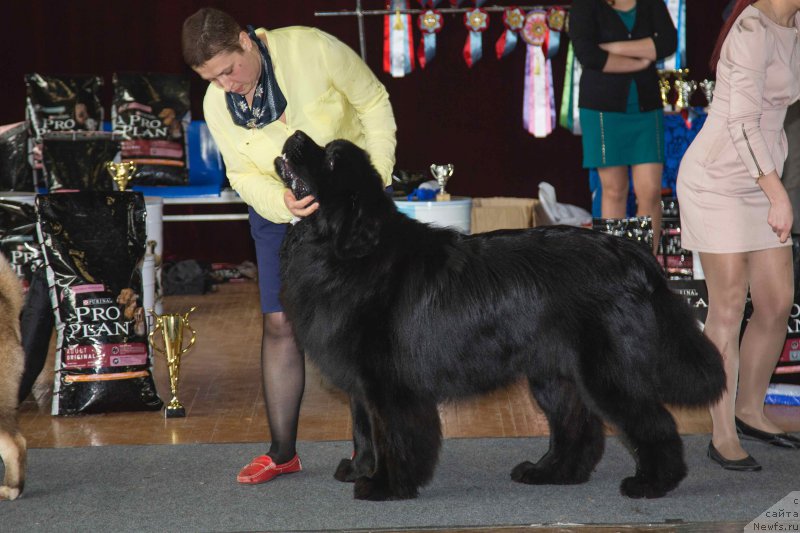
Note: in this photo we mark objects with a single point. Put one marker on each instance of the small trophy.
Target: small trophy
(681, 88)
(685, 91)
(707, 86)
(664, 88)
(121, 173)
(442, 173)
(171, 326)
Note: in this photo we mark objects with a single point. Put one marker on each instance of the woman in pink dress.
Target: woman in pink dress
(735, 212)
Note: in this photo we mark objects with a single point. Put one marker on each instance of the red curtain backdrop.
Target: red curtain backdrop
(447, 113)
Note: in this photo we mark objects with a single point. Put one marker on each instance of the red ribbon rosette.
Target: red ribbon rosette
(430, 23)
(476, 20)
(513, 20)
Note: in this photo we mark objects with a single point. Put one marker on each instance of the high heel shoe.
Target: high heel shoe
(748, 464)
(784, 440)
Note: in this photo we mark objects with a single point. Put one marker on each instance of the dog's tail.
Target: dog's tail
(689, 366)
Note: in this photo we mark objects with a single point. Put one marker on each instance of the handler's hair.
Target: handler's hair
(738, 7)
(207, 33)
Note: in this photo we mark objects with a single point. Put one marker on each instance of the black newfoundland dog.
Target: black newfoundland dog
(402, 316)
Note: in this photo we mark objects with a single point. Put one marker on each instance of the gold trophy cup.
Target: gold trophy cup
(172, 327)
(121, 173)
(442, 173)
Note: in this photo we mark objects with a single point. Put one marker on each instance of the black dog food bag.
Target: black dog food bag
(18, 243)
(15, 170)
(60, 104)
(78, 161)
(93, 243)
(150, 113)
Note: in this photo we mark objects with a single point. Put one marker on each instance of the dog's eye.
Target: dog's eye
(331, 161)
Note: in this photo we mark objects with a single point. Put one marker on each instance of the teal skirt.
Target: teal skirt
(613, 139)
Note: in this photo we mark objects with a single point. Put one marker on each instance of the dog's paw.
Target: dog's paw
(345, 471)
(637, 487)
(537, 474)
(8, 493)
(375, 490)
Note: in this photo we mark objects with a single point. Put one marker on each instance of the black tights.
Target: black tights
(283, 378)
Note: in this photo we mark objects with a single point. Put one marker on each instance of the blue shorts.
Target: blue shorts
(268, 237)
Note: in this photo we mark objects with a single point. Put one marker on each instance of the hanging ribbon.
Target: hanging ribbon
(430, 23)
(429, 3)
(555, 20)
(568, 117)
(398, 46)
(476, 20)
(677, 10)
(538, 108)
(513, 19)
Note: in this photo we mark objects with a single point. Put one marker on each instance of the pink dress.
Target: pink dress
(723, 210)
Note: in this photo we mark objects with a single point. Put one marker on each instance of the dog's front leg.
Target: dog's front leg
(13, 452)
(363, 461)
(406, 433)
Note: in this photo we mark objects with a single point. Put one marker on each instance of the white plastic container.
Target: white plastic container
(454, 213)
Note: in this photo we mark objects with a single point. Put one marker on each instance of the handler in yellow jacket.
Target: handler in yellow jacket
(264, 86)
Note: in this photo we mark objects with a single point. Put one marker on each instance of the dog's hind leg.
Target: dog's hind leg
(576, 436)
(652, 436)
(13, 452)
(363, 461)
(406, 433)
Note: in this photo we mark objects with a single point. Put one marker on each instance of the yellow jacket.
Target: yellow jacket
(331, 94)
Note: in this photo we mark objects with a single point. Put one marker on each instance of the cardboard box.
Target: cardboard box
(489, 214)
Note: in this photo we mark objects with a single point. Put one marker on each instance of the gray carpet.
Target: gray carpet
(193, 488)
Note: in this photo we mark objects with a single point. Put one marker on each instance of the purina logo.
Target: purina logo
(783, 516)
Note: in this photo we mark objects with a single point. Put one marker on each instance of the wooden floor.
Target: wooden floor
(221, 390)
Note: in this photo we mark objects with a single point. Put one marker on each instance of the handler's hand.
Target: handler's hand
(780, 218)
(300, 208)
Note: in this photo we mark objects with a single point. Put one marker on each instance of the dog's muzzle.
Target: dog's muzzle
(290, 177)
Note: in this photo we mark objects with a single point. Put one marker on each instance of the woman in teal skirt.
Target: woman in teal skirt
(617, 43)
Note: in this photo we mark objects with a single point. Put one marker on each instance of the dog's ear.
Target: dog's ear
(354, 229)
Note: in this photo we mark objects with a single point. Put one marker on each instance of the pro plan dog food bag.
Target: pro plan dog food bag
(93, 244)
(150, 113)
(78, 161)
(18, 239)
(15, 170)
(60, 104)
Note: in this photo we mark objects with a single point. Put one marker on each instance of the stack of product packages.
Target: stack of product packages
(84, 239)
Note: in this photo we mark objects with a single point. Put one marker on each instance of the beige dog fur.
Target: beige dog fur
(12, 443)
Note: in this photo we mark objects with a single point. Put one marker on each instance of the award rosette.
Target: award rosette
(538, 107)
(513, 20)
(476, 20)
(430, 23)
(398, 44)
(556, 17)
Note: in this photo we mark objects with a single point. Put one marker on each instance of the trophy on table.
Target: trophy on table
(684, 88)
(121, 172)
(172, 328)
(664, 88)
(707, 86)
(442, 173)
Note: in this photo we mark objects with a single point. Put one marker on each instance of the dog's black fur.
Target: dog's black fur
(402, 316)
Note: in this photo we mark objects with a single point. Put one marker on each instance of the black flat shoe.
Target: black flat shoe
(748, 464)
(784, 440)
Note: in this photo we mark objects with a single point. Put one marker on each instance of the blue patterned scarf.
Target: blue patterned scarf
(268, 100)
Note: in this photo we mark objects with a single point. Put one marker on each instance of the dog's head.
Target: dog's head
(348, 188)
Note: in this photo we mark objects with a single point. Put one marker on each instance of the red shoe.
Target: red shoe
(263, 468)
